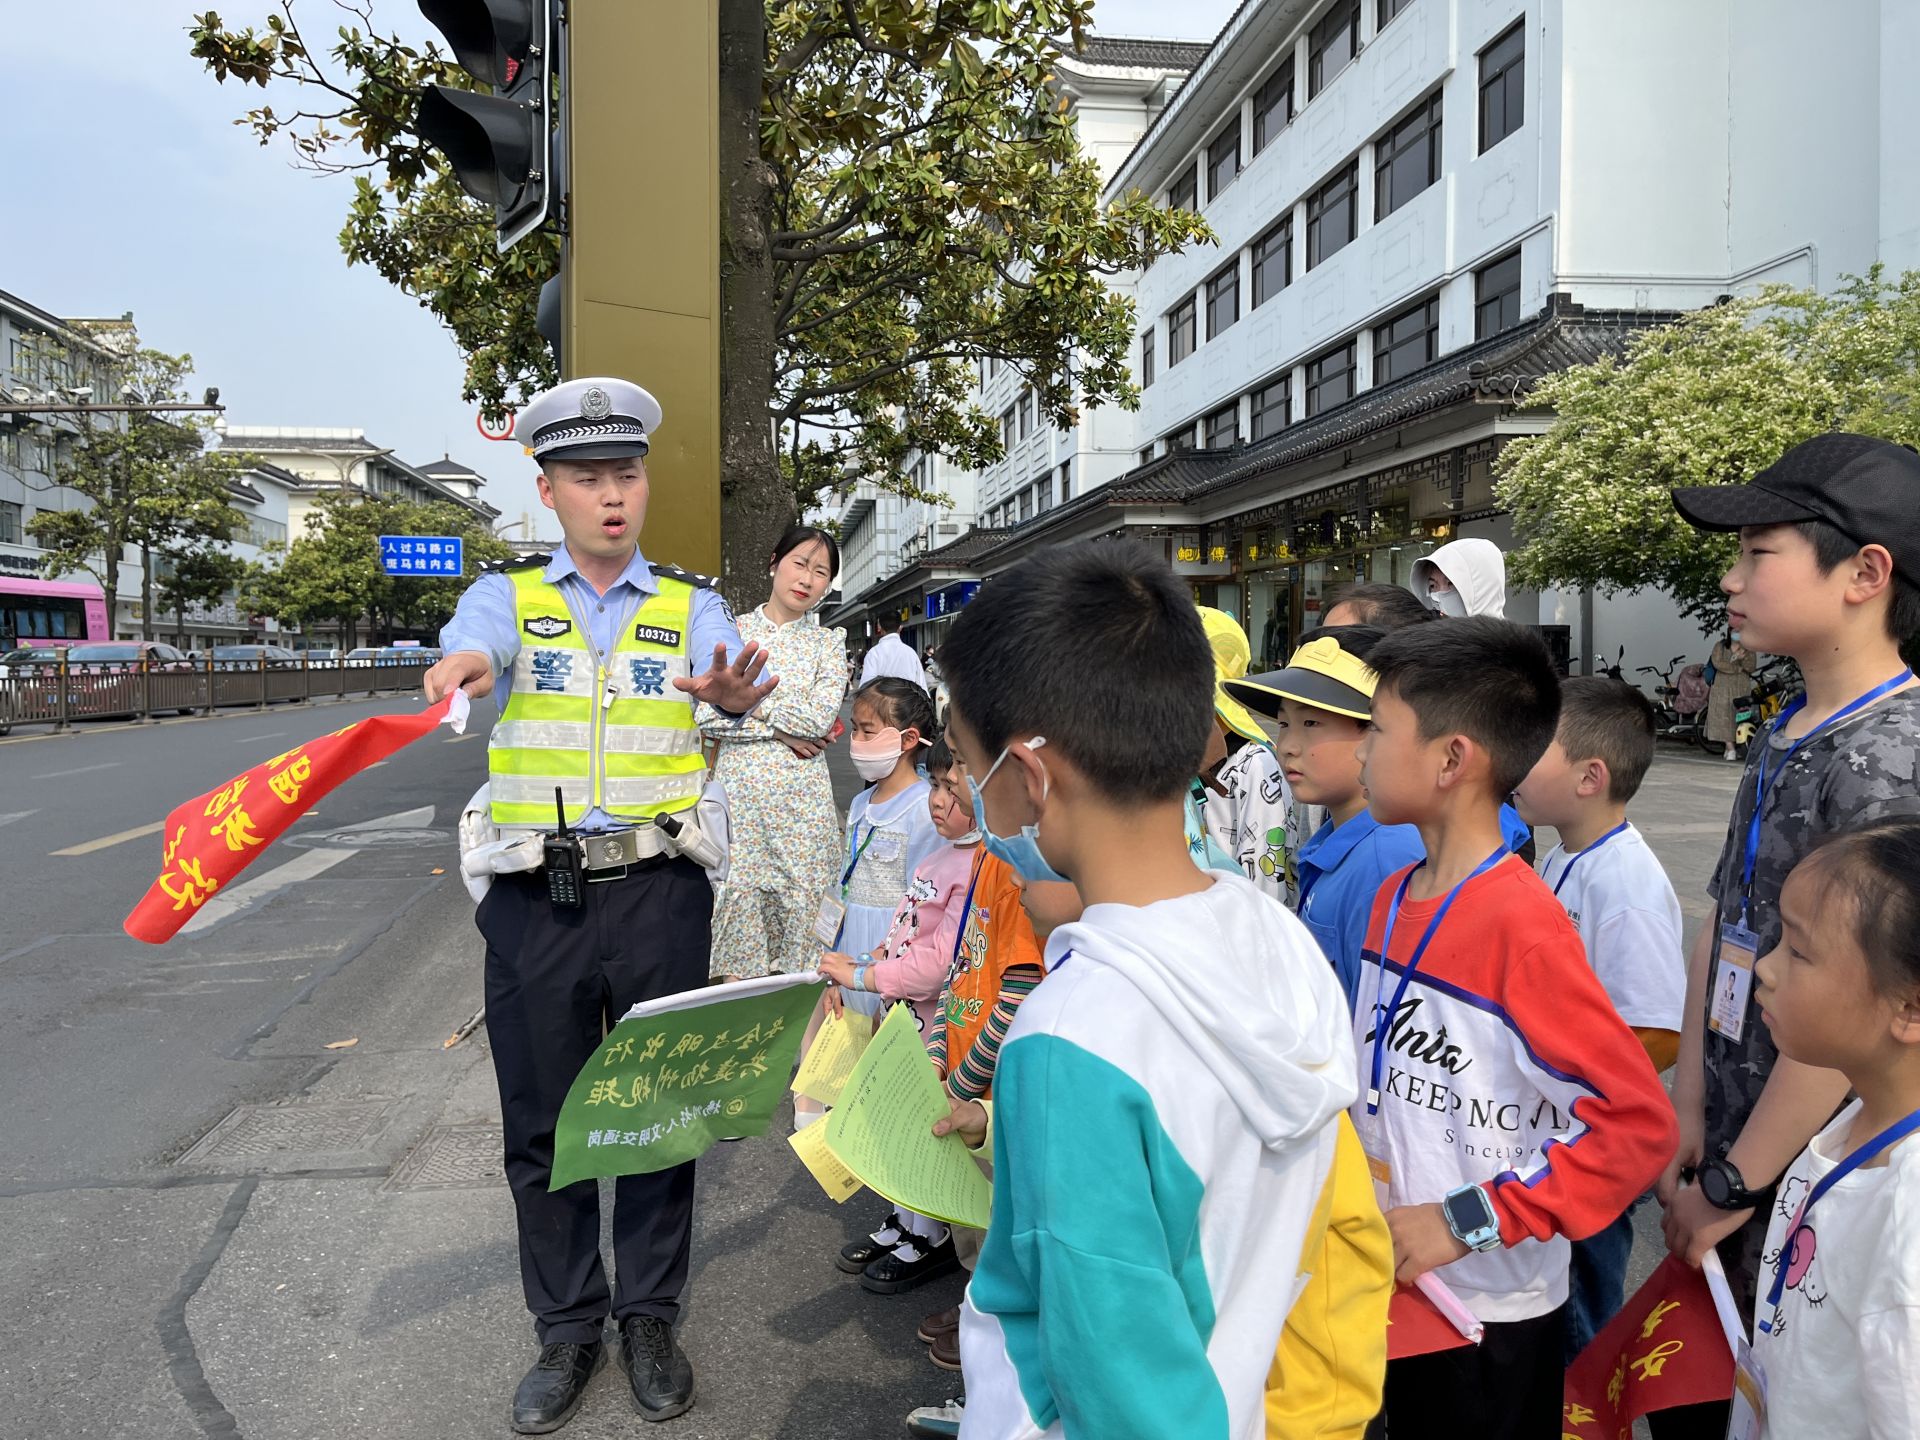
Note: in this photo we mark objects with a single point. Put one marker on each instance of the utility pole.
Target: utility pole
(640, 281)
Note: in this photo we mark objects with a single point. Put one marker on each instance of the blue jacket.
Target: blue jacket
(1340, 870)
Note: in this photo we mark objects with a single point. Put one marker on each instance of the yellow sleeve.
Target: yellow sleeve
(1327, 1374)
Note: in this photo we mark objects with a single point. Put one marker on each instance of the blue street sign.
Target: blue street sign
(421, 554)
(952, 599)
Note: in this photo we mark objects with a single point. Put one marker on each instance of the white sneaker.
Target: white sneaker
(940, 1421)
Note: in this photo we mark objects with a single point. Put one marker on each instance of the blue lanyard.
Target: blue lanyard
(846, 875)
(1380, 1012)
(1764, 778)
(966, 915)
(1580, 855)
(1885, 1140)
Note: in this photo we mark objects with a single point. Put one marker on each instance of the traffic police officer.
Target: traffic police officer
(602, 656)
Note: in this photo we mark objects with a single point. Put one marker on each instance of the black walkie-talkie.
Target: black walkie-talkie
(566, 877)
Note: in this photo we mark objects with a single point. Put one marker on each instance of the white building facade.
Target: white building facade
(1115, 87)
(1422, 207)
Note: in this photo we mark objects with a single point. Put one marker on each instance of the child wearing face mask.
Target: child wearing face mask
(889, 835)
(889, 829)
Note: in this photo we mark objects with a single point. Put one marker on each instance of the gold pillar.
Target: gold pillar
(641, 289)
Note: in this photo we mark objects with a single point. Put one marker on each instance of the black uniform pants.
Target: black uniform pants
(1508, 1387)
(557, 980)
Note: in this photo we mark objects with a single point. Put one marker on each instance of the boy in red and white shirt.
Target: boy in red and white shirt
(1505, 1107)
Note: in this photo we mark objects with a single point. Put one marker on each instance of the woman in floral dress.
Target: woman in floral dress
(786, 827)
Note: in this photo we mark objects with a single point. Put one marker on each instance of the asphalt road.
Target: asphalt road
(218, 1226)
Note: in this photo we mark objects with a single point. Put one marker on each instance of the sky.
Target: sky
(129, 188)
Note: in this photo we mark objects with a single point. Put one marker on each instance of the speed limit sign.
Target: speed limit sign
(501, 429)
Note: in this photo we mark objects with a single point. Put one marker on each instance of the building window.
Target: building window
(1389, 9)
(1006, 428)
(1330, 378)
(1026, 505)
(1272, 406)
(1331, 215)
(1181, 337)
(1184, 193)
(1026, 413)
(1066, 481)
(1146, 358)
(1043, 494)
(1407, 158)
(1273, 105)
(1146, 454)
(1405, 342)
(1179, 440)
(1496, 296)
(1273, 261)
(1223, 158)
(1223, 426)
(1223, 299)
(1503, 86)
(1332, 44)
(9, 522)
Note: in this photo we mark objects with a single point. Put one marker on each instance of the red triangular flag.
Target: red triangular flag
(1415, 1327)
(1664, 1348)
(213, 837)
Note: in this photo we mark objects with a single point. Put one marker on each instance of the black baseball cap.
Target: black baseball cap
(1867, 489)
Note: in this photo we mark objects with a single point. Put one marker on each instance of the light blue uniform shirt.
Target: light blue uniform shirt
(1341, 869)
(486, 620)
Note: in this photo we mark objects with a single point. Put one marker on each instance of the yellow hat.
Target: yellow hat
(1321, 674)
(1230, 656)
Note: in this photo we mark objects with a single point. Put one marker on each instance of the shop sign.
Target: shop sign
(951, 599)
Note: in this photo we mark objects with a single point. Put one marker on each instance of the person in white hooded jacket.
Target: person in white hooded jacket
(1463, 577)
(1168, 1099)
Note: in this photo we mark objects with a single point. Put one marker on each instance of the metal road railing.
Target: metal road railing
(57, 694)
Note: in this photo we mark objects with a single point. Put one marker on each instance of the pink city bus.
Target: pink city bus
(50, 612)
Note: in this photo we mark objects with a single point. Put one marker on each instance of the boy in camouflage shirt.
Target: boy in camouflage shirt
(1829, 574)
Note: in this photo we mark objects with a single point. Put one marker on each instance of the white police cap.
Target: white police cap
(597, 418)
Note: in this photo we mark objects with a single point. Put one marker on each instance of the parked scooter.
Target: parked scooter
(1670, 722)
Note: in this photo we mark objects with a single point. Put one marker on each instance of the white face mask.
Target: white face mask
(1449, 602)
(876, 758)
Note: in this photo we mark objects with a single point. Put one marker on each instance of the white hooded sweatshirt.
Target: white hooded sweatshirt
(1164, 1121)
(1477, 571)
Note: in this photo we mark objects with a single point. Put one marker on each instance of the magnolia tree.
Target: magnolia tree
(1709, 400)
(902, 193)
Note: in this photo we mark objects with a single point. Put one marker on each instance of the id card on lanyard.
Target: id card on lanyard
(1739, 944)
(1378, 1164)
(832, 919)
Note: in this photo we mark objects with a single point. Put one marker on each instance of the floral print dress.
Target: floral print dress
(786, 827)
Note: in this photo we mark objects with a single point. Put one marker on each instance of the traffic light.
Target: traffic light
(500, 145)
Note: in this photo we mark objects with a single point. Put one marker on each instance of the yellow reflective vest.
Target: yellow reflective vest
(610, 731)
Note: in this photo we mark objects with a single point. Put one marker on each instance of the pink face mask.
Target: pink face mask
(876, 755)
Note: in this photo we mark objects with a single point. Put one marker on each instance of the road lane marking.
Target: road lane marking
(456, 739)
(107, 842)
(270, 735)
(58, 774)
(8, 819)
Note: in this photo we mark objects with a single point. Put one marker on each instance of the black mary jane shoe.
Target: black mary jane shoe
(912, 1262)
(552, 1390)
(856, 1257)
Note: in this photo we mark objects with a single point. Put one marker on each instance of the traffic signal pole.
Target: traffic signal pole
(640, 287)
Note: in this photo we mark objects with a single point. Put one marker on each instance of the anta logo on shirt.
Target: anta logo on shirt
(1421, 1041)
(546, 627)
(656, 635)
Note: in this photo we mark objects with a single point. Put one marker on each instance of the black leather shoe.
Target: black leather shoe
(658, 1370)
(553, 1388)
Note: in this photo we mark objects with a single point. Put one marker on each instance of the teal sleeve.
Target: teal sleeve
(1093, 1266)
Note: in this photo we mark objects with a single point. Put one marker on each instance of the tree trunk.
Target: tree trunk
(146, 592)
(110, 580)
(755, 506)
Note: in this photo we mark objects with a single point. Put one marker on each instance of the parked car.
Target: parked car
(92, 668)
(324, 657)
(251, 654)
(393, 655)
(27, 656)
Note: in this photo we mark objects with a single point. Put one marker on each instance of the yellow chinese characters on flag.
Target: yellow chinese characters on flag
(211, 838)
(1664, 1348)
